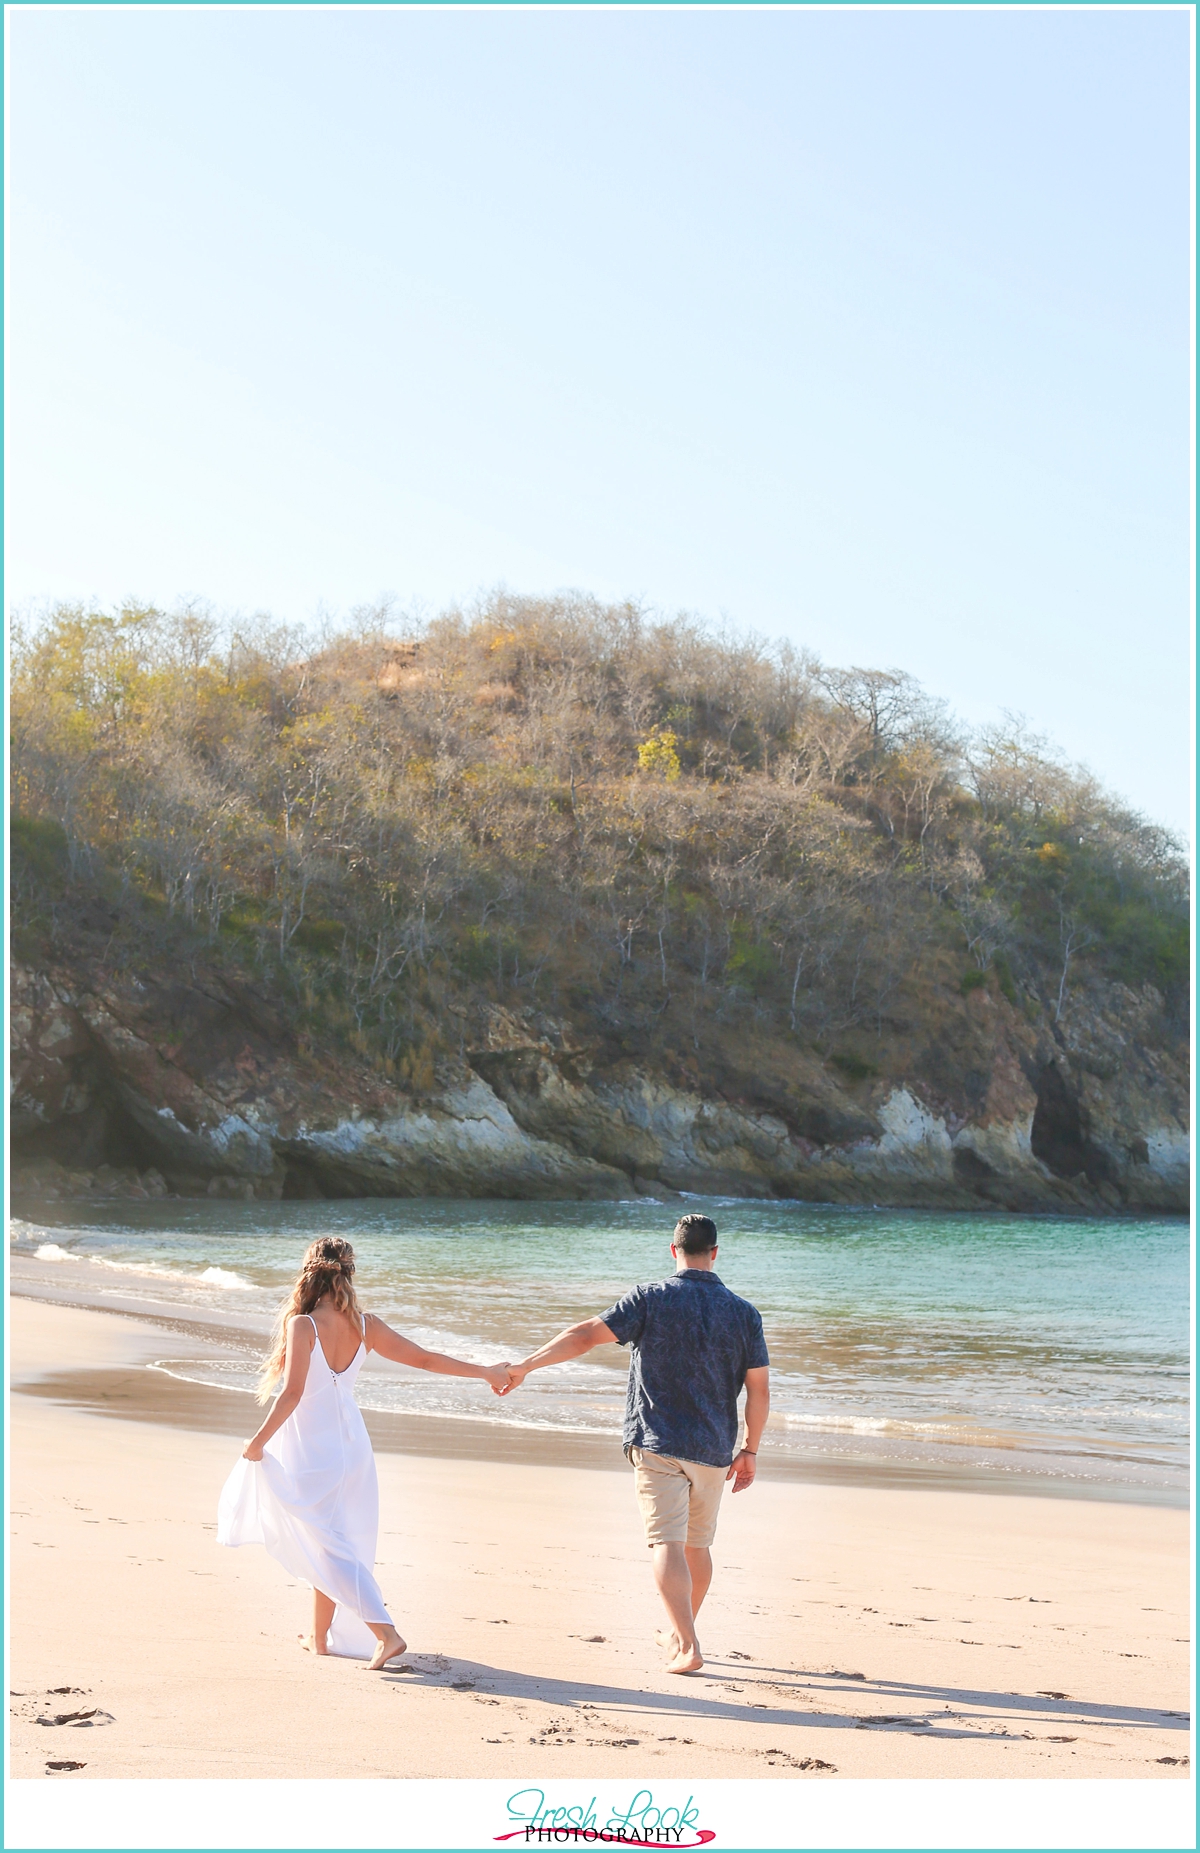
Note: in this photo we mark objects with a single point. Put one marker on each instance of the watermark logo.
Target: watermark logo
(643, 1822)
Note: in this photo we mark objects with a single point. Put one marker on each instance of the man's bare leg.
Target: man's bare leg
(699, 1563)
(674, 1581)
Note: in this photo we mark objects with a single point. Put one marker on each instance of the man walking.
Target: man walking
(694, 1344)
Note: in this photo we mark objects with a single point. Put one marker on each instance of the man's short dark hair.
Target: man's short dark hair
(696, 1235)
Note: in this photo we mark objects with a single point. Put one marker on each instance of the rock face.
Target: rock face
(201, 1088)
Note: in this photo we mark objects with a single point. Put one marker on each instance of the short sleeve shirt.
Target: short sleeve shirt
(692, 1342)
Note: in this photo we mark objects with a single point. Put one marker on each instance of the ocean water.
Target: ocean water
(1009, 1345)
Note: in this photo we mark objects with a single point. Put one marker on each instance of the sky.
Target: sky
(865, 329)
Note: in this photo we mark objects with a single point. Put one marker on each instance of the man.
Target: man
(693, 1346)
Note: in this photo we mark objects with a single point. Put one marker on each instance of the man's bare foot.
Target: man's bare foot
(690, 1661)
(311, 1645)
(391, 1645)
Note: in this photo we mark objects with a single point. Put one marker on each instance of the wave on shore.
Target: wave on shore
(1057, 1351)
(210, 1276)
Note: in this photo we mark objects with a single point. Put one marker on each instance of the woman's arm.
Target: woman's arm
(300, 1341)
(401, 1350)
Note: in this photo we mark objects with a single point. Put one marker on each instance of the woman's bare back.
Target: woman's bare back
(337, 1334)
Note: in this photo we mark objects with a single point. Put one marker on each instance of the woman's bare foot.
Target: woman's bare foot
(669, 1641)
(689, 1661)
(311, 1645)
(389, 1647)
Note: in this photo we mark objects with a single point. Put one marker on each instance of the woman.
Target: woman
(305, 1485)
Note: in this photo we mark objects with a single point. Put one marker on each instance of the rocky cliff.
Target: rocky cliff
(198, 1085)
(559, 899)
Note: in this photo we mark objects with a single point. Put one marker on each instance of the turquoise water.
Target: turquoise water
(1010, 1344)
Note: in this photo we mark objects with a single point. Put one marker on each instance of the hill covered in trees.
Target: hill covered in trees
(577, 856)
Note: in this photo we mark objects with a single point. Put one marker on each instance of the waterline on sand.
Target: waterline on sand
(1043, 1347)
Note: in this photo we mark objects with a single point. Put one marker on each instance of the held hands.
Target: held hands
(742, 1471)
(512, 1377)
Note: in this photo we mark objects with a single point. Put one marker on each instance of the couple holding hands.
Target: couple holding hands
(306, 1486)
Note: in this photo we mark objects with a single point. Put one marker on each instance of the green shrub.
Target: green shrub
(1004, 977)
(853, 1066)
(751, 963)
(40, 846)
(319, 935)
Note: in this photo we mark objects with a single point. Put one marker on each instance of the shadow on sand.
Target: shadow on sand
(928, 1710)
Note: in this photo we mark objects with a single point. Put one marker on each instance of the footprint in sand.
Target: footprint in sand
(80, 1719)
(775, 1755)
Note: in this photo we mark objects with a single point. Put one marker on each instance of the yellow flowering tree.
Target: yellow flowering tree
(658, 755)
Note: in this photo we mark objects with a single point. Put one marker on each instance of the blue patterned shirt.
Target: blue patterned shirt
(692, 1343)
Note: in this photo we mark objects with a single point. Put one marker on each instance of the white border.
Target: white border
(810, 1813)
(944, 1813)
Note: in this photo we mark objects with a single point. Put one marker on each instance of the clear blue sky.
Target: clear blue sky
(867, 328)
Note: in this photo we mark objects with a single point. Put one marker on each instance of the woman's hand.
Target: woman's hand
(253, 1451)
(497, 1376)
(516, 1377)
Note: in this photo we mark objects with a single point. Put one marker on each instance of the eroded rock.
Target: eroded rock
(138, 1086)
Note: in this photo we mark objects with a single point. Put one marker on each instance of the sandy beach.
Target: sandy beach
(851, 1632)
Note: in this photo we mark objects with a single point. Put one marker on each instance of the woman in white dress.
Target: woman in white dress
(305, 1485)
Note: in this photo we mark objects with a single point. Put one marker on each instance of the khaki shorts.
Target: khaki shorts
(679, 1500)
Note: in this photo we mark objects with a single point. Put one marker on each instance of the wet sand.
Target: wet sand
(851, 1631)
(157, 1396)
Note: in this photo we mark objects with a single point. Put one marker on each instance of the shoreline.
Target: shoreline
(526, 1596)
(157, 1396)
(27, 1199)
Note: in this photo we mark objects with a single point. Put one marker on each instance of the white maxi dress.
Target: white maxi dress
(313, 1500)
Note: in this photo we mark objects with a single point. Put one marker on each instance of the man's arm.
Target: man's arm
(569, 1344)
(758, 1403)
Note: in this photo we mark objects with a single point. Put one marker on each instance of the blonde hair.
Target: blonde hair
(328, 1273)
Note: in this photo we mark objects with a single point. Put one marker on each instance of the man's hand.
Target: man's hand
(742, 1471)
(497, 1376)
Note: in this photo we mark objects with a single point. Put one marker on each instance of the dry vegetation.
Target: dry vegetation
(656, 833)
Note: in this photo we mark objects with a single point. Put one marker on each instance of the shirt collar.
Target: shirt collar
(698, 1274)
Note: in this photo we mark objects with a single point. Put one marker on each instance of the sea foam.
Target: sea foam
(209, 1277)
